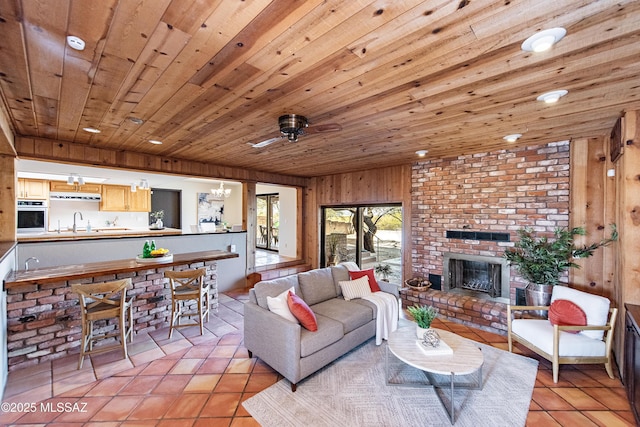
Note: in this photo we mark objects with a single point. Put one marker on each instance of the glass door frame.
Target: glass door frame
(268, 237)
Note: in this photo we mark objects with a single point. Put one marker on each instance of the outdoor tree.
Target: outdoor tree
(371, 219)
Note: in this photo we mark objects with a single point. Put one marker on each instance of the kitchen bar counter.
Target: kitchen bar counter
(81, 271)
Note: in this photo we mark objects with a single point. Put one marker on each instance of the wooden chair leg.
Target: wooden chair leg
(609, 368)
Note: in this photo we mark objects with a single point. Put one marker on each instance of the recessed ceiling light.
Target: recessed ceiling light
(422, 153)
(543, 40)
(155, 141)
(75, 42)
(513, 137)
(91, 130)
(553, 96)
(136, 120)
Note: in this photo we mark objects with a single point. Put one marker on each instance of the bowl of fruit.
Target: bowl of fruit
(159, 253)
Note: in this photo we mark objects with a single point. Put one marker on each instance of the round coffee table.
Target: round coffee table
(466, 360)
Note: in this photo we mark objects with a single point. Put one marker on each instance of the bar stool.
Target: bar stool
(188, 285)
(102, 301)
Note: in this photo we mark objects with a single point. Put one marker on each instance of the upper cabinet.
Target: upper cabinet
(120, 198)
(33, 189)
(62, 186)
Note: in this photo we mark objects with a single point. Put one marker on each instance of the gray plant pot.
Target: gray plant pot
(536, 294)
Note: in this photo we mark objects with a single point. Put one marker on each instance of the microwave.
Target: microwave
(32, 216)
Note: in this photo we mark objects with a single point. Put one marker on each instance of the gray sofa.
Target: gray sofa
(294, 351)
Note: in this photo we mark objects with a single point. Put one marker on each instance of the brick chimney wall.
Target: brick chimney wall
(499, 191)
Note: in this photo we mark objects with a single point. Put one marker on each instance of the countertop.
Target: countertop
(80, 271)
(106, 233)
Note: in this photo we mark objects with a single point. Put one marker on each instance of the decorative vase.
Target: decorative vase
(159, 223)
(420, 332)
(537, 294)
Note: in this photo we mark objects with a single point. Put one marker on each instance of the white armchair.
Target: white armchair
(567, 344)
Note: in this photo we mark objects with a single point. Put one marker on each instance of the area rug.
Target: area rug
(352, 391)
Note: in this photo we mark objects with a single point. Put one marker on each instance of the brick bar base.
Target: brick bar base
(474, 312)
(43, 320)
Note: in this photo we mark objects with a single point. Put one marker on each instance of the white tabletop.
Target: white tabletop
(466, 358)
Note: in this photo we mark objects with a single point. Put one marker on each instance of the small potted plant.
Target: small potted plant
(423, 315)
(384, 270)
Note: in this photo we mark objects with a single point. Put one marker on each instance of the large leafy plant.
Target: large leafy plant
(541, 260)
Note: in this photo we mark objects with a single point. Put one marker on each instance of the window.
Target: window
(367, 235)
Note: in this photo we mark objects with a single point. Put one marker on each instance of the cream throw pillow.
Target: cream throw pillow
(279, 306)
(352, 289)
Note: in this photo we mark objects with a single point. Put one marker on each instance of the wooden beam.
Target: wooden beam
(7, 139)
(69, 152)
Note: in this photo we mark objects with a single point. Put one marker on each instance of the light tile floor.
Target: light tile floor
(197, 381)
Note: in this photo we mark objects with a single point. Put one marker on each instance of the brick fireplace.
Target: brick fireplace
(460, 205)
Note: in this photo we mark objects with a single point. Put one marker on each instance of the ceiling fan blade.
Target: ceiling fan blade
(321, 128)
(265, 142)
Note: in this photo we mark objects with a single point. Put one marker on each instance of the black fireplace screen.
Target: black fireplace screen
(476, 276)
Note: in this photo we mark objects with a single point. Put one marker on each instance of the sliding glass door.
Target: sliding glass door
(370, 236)
(268, 207)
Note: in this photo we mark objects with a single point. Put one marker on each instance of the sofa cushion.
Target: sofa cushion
(566, 313)
(329, 331)
(279, 305)
(351, 315)
(358, 288)
(316, 286)
(594, 306)
(273, 288)
(373, 284)
(302, 312)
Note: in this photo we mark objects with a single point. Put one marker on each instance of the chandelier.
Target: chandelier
(221, 191)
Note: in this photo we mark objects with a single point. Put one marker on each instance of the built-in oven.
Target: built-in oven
(32, 216)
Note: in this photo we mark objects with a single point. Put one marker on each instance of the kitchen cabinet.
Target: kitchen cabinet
(120, 198)
(62, 186)
(33, 189)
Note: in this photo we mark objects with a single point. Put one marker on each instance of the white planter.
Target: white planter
(420, 332)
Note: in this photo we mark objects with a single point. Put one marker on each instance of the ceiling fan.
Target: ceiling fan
(294, 125)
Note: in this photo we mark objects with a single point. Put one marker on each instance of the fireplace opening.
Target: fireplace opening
(481, 276)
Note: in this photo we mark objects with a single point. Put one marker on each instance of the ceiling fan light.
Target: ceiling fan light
(543, 40)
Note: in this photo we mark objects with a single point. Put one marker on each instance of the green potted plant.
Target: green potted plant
(541, 260)
(384, 270)
(423, 315)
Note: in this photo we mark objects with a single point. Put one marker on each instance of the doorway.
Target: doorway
(268, 223)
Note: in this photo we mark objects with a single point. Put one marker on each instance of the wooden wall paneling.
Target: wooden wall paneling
(385, 185)
(300, 224)
(587, 208)
(249, 223)
(8, 183)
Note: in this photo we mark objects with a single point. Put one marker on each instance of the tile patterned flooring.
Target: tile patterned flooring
(196, 381)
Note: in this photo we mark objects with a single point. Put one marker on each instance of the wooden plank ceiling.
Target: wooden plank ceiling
(208, 77)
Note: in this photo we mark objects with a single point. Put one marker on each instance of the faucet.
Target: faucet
(26, 263)
(75, 227)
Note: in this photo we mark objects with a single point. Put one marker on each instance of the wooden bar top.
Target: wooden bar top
(81, 271)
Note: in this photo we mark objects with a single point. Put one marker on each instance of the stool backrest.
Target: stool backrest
(112, 294)
(186, 279)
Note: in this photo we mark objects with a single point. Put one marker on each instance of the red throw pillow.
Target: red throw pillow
(373, 284)
(302, 312)
(566, 313)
